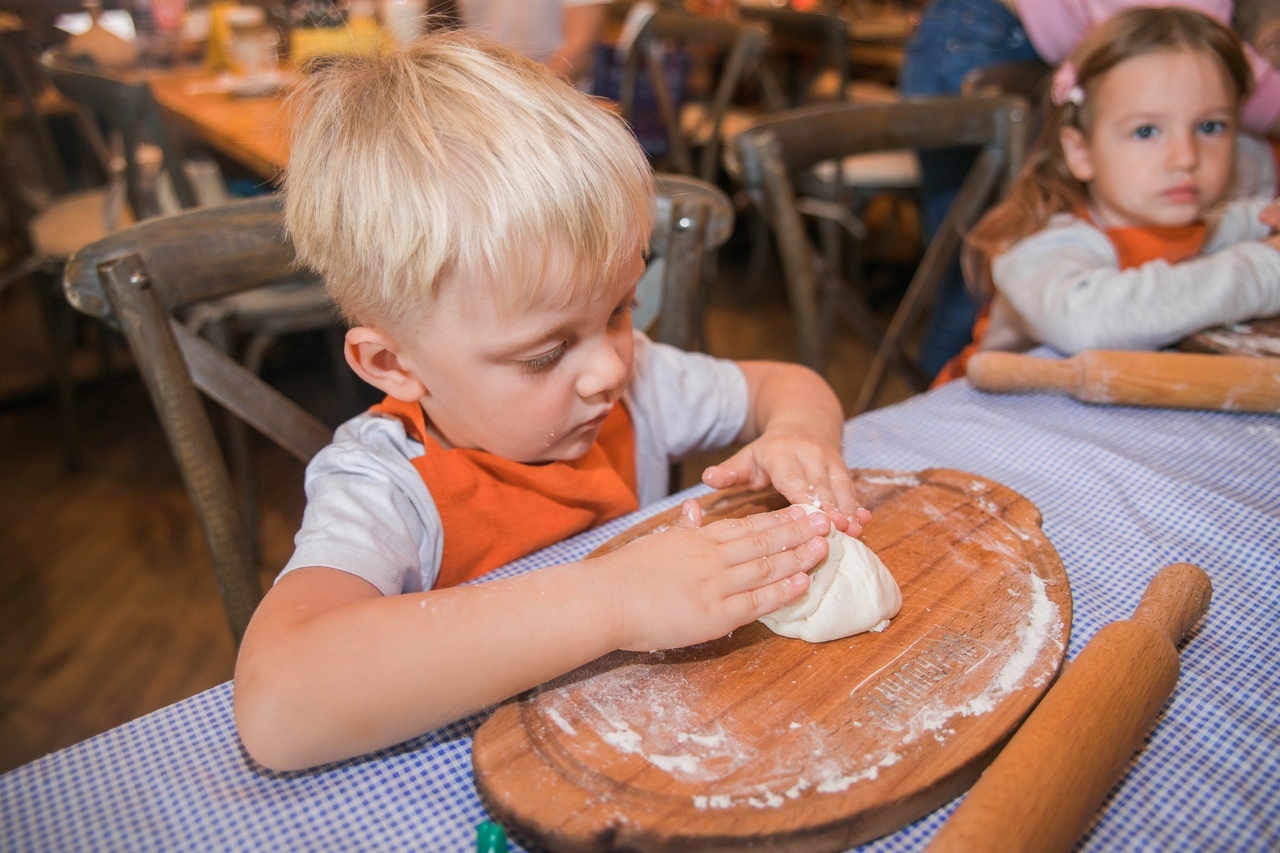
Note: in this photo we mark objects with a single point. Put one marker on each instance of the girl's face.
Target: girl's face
(1162, 139)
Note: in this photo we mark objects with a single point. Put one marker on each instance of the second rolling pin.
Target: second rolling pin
(1044, 787)
(1181, 380)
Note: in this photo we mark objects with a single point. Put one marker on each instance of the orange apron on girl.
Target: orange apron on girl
(494, 510)
(1135, 245)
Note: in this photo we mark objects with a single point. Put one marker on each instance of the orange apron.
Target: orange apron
(494, 510)
(1134, 245)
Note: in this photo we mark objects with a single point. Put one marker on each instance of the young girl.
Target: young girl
(1114, 236)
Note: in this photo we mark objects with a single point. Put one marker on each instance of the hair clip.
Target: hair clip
(1065, 89)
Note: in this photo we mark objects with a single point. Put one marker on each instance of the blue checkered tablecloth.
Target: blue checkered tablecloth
(1123, 492)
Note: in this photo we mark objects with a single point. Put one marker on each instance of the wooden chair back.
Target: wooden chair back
(694, 219)
(774, 158)
(802, 47)
(135, 280)
(1028, 79)
(123, 107)
(741, 47)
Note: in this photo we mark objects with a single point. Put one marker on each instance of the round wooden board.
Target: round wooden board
(757, 739)
(1256, 337)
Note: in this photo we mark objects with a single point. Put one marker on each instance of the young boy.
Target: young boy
(482, 226)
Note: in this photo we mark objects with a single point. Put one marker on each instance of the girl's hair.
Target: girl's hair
(1045, 186)
(1249, 15)
(456, 162)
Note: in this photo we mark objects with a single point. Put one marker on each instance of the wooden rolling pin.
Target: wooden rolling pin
(1045, 786)
(1181, 380)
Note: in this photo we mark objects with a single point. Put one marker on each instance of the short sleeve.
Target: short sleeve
(368, 511)
(681, 403)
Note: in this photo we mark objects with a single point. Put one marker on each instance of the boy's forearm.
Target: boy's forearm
(793, 398)
(388, 669)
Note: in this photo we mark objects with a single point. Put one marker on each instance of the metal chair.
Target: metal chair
(694, 219)
(69, 220)
(778, 156)
(696, 121)
(808, 52)
(137, 280)
(246, 323)
(141, 280)
(811, 52)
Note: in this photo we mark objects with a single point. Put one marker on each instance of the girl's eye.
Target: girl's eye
(544, 362)
(1146, 131)
(1213, 127)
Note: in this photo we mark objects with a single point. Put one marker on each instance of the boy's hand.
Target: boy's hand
(801, 468)
(690, 584)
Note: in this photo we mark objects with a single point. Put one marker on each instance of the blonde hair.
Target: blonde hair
(1045, 186)
(451, 161)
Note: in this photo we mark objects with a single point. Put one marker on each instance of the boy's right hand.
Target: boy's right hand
(690, 584)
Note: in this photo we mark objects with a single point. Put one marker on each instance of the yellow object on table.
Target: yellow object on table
(229, 21)
(360, 35)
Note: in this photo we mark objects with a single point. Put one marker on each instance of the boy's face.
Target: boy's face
(531, 385)
(1161, 145)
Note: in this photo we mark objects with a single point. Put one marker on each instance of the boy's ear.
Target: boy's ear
(376, 359)
(1266, 40)
(1075, 151)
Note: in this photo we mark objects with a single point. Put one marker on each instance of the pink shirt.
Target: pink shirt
(1057, 26)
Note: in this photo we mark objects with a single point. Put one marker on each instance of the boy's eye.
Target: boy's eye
(543, 362)
(1146, 131)
(626, 307)
(1213, 127)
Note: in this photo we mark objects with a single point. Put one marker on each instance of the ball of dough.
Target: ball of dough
(849, 592)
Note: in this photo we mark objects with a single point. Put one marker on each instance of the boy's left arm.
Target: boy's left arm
(794, 423)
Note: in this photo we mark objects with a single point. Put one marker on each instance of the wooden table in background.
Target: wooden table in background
(253, 131)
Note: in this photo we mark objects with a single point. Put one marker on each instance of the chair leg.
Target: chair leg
(239, 451)
(762, 260)
(60, 320)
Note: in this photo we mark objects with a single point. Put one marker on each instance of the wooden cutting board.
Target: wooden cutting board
(1259, 337)
(774, 742)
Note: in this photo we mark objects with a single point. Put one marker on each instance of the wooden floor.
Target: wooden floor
(108, 608)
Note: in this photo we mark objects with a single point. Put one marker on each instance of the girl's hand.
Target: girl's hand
(802, 469)
(1270, 216)
(692, 583)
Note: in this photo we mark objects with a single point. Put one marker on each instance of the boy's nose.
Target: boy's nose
(605, 372)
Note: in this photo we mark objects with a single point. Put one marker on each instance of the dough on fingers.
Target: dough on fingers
(850, 591)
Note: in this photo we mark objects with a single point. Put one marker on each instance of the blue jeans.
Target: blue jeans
(954, 37)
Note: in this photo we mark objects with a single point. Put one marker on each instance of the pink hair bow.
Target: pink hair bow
(1065, 89)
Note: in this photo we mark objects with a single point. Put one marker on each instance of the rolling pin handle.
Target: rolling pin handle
(1175, 600)
(1008, 371)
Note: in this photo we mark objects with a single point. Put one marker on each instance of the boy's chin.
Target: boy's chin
(568, 453)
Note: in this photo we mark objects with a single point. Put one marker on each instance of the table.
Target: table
(1123, 491)
(253, 131)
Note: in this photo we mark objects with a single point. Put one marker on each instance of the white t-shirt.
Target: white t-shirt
(369, 512)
